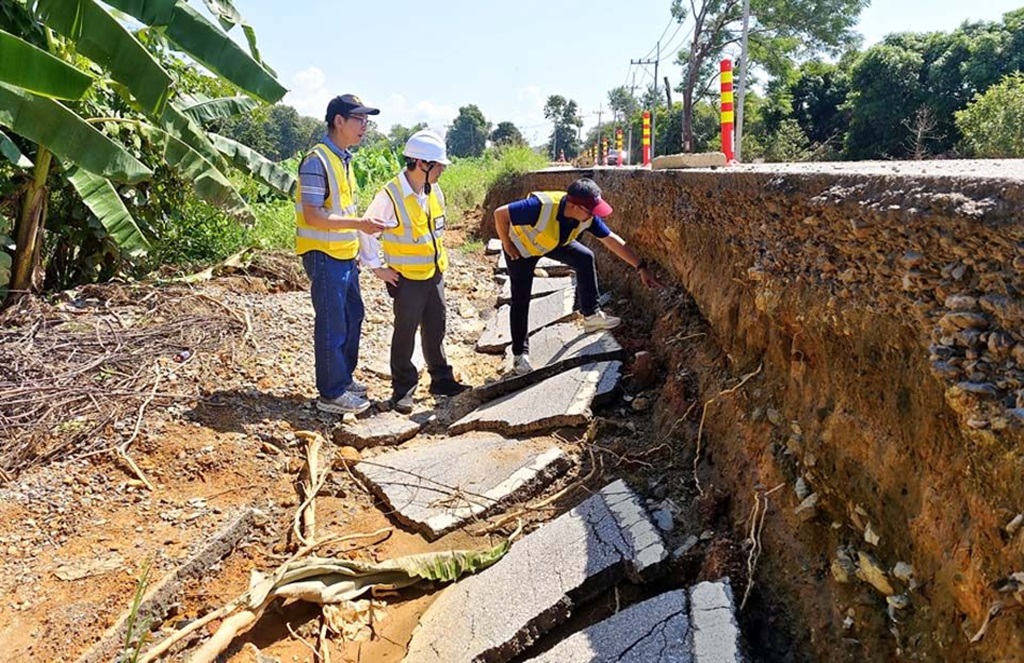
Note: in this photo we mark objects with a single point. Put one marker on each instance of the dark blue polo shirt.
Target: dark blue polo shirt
(526, 212)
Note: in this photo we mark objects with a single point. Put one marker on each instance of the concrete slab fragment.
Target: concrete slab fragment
(703, 160)
(541, 287)
(654, 631)
(552, 267)
(544, 311)
(716, 636)
(384, 429)
(435, 486)
(493, 247)
(496, 614)
(562, 400)
(553, 350)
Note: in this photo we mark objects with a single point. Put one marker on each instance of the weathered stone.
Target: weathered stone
(945, 370)
(384, 429)
(663, 519)
(541, 287)
(562, 400)
(801, 488)
(957, 320)
(437, 485)
(493, 247)
(654, 631)
(703, 160)
(808, 508)
(903, 571)
(870, 571)
(716, 635)
(644, 371)
(870, 536)
(913, 259)
(544, 311)
(554, 350)
(496, 614)
(961, 303)
(978, 388)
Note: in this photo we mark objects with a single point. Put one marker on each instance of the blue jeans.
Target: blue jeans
(338, 322)
(520, 273)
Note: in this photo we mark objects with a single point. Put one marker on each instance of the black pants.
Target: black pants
(418, 305)
(520, 273)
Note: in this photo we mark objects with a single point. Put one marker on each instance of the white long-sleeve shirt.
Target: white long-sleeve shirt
(381, 208)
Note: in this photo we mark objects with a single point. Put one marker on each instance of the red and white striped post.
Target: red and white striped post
(727, 111)
(646, 141)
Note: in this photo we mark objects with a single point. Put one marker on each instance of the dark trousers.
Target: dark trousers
(418, 305)
(520, 273)
(338, 321)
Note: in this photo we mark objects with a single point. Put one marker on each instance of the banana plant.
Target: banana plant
(58, 56)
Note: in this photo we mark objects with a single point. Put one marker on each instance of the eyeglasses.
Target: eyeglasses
(361, 119)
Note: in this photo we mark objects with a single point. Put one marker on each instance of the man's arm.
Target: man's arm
(313, 175)
(618, 246)
(503, 225)
(370, 247)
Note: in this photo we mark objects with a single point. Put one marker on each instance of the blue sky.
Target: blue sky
(421, 61)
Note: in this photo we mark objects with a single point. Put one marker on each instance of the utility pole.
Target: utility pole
(654, 110)
(743, 80)
(632, 95)
(598, 113)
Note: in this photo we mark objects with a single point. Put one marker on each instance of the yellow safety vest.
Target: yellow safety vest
(542, 237)
(415, 247)
(340, 244)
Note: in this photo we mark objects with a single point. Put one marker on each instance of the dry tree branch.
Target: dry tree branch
(703, 416)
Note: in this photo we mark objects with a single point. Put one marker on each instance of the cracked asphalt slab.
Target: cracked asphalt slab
(497, 614)
(654, 631)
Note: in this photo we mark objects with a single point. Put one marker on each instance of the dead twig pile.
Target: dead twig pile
(77, 376)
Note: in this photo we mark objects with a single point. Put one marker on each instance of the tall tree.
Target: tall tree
(398, 135)
(564, 114)
(779, 30)
(622, 103)
(507, 133)
(467, 136)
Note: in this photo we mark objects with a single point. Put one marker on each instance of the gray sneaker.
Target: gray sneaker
(347, 403)
(357, 388)
(404, 404)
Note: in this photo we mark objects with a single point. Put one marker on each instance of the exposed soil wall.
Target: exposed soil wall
(885, 303)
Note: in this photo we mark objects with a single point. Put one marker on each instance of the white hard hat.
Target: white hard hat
(426, 145)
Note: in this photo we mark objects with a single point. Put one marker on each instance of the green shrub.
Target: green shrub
(993, 123)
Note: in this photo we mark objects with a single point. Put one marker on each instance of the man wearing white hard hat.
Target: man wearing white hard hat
(414, 262)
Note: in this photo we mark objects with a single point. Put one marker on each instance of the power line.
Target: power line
(663, 32)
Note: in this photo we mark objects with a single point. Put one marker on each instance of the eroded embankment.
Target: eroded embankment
(885, 302)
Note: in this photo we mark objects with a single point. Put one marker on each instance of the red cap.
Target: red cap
(596, 206)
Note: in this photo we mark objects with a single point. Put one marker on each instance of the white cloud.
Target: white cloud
(309, 94)
(398, 110)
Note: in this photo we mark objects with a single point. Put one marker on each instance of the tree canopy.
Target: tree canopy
(468, 134)
(565, 116)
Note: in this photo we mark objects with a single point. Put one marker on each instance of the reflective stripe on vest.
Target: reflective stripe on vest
(410, 247)
(542, 237)
(340, 244)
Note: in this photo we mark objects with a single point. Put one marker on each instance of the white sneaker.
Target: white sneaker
(599, 321)
(347, 403)
(521, 364)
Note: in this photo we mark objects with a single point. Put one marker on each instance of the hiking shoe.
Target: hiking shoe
(599, 321)
(347, 403)
(521, 364)
(357, 388)
(448, 388)
(402, 404)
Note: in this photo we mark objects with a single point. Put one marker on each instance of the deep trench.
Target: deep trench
(817, 293)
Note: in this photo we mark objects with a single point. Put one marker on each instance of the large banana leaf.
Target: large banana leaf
(105, 41)
(208, 110)
(255, 164)
(102, 199)
(182, 127)
(210, 184)
(67, 135)
(12, 153)
(228, 17)
(28, 67)
(206, 43)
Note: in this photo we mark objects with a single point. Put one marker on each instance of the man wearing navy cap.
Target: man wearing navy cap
(547, 223)
(327, 222)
